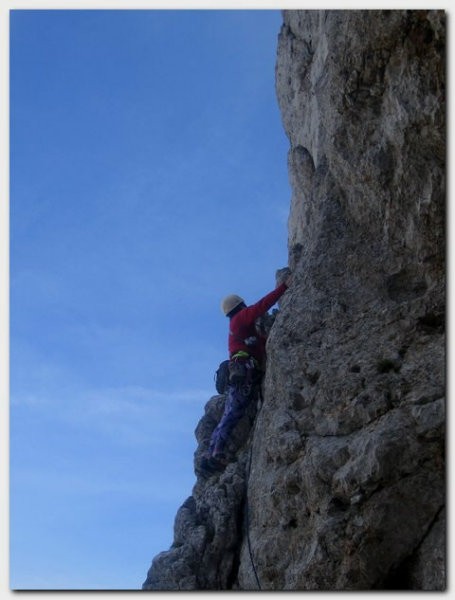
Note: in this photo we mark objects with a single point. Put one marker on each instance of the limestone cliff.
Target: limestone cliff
(338, 481)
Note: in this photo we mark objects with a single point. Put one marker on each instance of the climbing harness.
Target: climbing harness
(241, 370)
(238, 369)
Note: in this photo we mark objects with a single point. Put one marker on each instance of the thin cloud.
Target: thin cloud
(78, 483)
(131, 414)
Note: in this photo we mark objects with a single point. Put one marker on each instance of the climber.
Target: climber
(246, 367)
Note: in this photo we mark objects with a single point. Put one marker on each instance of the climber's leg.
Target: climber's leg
(236, 403)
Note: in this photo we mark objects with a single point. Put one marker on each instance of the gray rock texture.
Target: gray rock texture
(338, 481)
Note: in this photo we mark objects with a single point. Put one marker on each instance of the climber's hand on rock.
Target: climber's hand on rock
(284, 276)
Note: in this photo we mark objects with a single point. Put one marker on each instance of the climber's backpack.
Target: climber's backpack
(222, 377)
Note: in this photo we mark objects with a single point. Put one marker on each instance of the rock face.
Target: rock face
(338, 481)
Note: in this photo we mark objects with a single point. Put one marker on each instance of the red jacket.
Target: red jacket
(242, 325)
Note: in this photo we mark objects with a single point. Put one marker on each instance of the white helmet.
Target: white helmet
(231, 302)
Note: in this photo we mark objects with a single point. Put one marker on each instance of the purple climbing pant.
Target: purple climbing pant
(237, 399)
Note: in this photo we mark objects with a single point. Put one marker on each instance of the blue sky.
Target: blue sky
(148, 179)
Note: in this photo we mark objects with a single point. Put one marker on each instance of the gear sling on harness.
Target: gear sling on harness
(243, 369)
(240, 369)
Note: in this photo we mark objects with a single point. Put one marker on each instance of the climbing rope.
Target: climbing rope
(247, 515)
